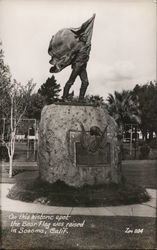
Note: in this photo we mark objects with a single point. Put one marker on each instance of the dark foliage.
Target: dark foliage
(144, 151)
(147, 98)
(35, 106)
(3, 153)
(50, 90)
(60, 194)
(123, 106)
(5, 85)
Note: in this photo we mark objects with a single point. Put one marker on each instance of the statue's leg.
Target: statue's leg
(85, 83)
(70, 82)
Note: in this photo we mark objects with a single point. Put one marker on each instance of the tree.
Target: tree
(5, 84)
(50, 90)
(14, 99)
(123, 107)
(18, 98)
(147, 97)
(35, 106)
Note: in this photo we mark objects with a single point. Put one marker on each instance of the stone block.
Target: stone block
(70, 152)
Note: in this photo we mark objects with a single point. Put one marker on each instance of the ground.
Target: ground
(99, 232)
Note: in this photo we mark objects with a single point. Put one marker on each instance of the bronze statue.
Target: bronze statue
(71, 46)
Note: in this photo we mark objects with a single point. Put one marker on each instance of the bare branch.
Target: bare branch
(20, 117)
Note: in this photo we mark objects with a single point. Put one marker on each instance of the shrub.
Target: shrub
(61, 194)
(144, 151)
(4, 153)
(153, 143)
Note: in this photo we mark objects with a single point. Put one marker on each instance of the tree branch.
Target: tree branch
(21, 116)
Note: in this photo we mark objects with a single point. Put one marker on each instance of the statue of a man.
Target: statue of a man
(72, 47)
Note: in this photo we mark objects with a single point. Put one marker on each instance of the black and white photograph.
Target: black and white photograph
(78, 124)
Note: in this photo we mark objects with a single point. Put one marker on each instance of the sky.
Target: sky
(123, 51)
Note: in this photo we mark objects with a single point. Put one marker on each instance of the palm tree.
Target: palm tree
(123, 107)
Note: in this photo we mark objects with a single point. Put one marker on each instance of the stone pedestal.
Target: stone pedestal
(78, 145)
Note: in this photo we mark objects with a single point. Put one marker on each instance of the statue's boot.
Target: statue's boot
(66, 91)
(82, 92)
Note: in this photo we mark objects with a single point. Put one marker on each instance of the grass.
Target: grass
(60, 194)
(143, 172)
(97, 233)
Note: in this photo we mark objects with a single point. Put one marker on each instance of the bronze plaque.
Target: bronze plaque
(86, 158)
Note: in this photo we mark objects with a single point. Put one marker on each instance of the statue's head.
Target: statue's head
(62, 49)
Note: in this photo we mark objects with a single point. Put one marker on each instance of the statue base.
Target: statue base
(70, 152)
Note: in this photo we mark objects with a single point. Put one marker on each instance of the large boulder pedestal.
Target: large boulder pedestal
(78, 145)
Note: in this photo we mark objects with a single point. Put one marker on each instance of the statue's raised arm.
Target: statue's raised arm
(71, 46)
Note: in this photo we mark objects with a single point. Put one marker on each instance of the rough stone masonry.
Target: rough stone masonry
(70, 151)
